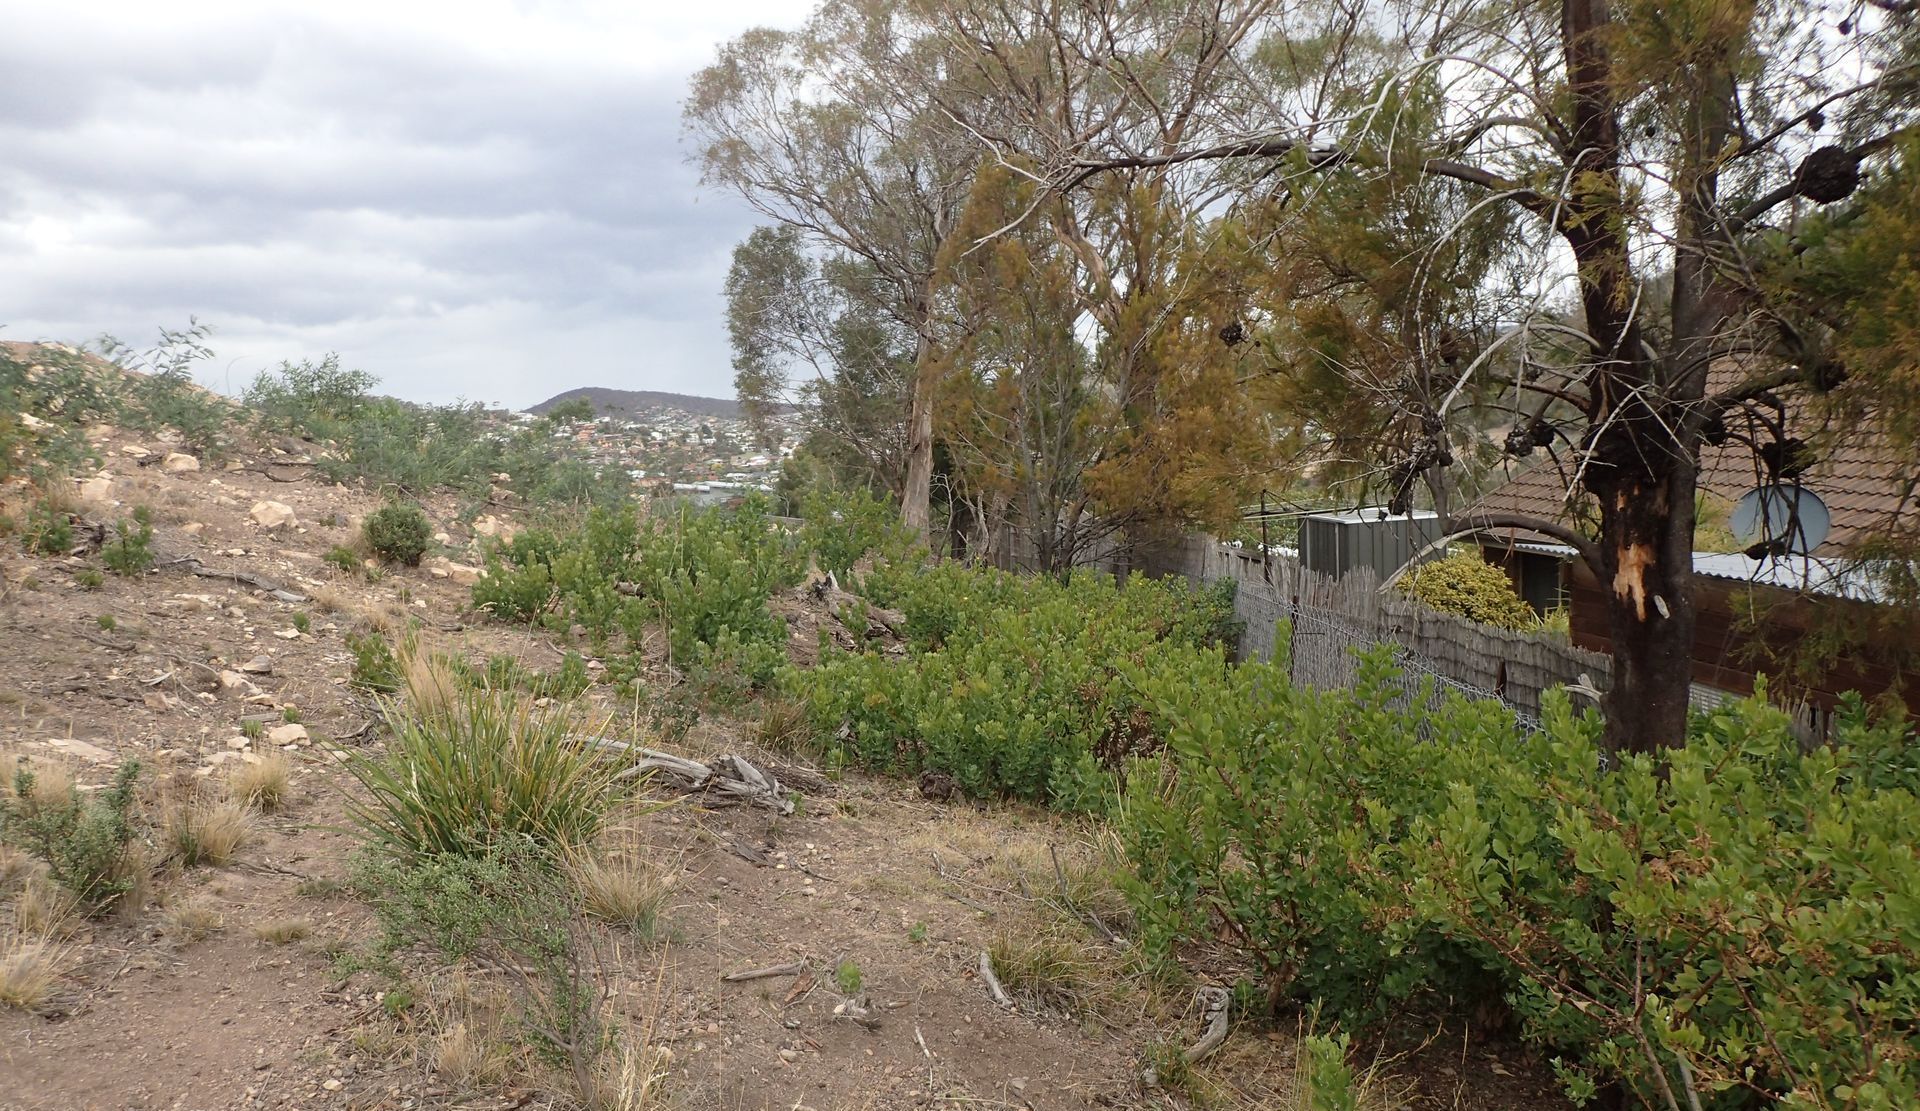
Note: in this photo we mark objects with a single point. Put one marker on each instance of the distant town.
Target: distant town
(699, 448)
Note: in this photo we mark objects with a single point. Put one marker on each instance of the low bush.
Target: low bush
(49, 530)
(131, 550)
(375, 668)
(480, 767)
(1468, 586)
(1021, 695)
(398, 533)
(705, 574)
(1728, 927)
(85, 839)
(510, 909)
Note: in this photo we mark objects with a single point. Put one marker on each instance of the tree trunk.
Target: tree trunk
(1646, 526)
(916, 510)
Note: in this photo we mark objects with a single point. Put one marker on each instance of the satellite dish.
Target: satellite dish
(1781, 518)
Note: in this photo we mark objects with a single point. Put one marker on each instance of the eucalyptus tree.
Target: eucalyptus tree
(818, 332)
(1698, 149)
(833, 129)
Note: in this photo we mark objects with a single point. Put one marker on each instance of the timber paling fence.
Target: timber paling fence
(1331, 620)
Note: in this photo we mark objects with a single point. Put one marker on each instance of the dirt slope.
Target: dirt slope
(153, 1015)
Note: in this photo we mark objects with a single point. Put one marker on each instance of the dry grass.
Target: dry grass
(782, 728)
(188, 922)
(201, 831)
(30, 969)
(469, 1058)
(44, 909)
(327, 599)
(15, 867)
(264, 784)
(284, 931)
(1055, 965)
(619, 885)
(430, 685)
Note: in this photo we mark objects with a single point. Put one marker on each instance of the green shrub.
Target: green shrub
(511, 910)
(130, 551)
(1739, 917)
(398, 533)
(1468, 586)
(49, 531)
(375, 667)
(706, 574)
(84, 838)
(89, 579)
(455, 778)
(843, 528)
(1276, 813)
(344, 559)
(1019, 692)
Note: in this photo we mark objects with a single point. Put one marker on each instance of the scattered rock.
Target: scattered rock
(259, 665)
(289, 734)
(443, 568)
(134, 451)
(99, 488)
(237, 743)
(272, 514)
(179, 462)
(28, 420)
(442, 538)
(81, 749)
(193, 528)
(232, 682)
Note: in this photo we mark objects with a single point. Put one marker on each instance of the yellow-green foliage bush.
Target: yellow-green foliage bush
(1470, 587)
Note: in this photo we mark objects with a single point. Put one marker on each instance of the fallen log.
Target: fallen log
(245, 578)
(726, 780)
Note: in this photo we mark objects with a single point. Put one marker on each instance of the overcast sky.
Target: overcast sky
(477, 199)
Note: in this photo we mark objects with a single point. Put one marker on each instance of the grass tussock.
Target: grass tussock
(284, 931)
(782, 728)
(191, 921)
(468, 1059)
(489, 766)
(15, 868)
(264, 784)
(30, 970)
(45, 909)
(1054, 965)
(200, 831)
(620, 886)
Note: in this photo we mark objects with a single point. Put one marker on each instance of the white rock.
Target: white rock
(179, 462)
(443, 568)
(99, 488)
(237, 743)
(232, 681)
(134, 451)
(289, 734)
(272, 514)
(28, 420)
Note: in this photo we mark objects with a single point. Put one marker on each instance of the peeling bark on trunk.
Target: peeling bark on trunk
(916, 499)
(1647, 545)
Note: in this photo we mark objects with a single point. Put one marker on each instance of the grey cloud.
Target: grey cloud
(448, 221)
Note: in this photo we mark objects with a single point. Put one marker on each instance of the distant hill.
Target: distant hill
(635, 402)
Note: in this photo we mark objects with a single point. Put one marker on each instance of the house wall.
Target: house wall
(1721, 659)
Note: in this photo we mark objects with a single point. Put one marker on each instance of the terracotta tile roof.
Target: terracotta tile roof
(1866, 484)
